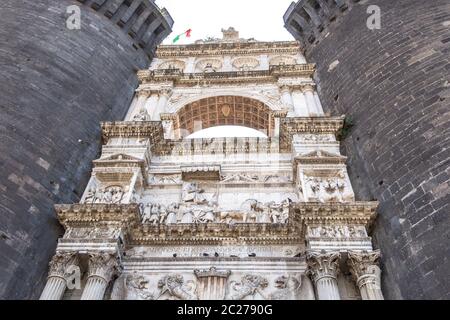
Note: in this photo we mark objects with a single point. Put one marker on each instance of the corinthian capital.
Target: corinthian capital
(60, 262)
(323, 264)
(363, 263)
(103, 265)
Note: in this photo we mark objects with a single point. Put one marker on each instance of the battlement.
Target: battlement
(143, 21)
(308, 20)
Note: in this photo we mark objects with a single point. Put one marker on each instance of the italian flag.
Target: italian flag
(187, 33)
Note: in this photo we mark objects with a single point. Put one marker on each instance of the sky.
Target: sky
(259, 19)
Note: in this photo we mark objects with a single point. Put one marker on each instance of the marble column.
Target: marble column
(140, 103)
(299, 101)
(323, 269)
(287, 97)
(318, 104)
(56, 281)
(102, 267)
(152, 105)
(310, 100)
(162, 104)
(366, 272)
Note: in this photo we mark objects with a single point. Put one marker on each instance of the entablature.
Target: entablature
(178, 77)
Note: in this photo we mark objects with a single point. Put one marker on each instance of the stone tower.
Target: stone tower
(394, 83)
(56, 85)
(176, 209)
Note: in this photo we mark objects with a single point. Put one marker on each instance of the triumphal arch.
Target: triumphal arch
(260, 208)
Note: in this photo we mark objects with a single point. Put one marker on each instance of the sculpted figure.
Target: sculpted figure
(265, 213)
(188, 217)
(117, 194)
(106, 196)
(172, 213)
(292, 288)
(154, 214)
(249, 286)
(90, 196)
(141, 116)
(174, 285)
(285, 211)
(147, 213)
(288, 288)
(162, 213)
(314, 187)
(192, 193)
(209, 216)
(131, 287)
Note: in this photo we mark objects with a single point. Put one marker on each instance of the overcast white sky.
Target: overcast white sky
(259, 19)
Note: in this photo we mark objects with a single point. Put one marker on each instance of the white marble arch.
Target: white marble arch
(273, 104)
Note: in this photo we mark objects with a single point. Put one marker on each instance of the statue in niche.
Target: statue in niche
(174, 285)
(249, 286)
(191, 193)
(172, 213)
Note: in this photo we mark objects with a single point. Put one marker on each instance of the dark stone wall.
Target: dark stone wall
(395, 84)
(56, 86)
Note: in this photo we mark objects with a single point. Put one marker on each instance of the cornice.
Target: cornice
(317, 125)
(177, 77)
(87, 215)
(126, 129)
(228, 48)
(360, 212)
(302, 214)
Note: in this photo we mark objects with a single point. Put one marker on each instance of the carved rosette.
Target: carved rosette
(103, 265)
(364, 266)
(323, 264)
(60, 262)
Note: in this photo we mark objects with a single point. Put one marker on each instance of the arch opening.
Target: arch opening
(227, 132)
(224, 111)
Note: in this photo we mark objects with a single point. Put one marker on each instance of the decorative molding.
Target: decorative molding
(231, 77)
(310, 125)
(228, 48)
(152, 130)
(323, 264)
(313, 213)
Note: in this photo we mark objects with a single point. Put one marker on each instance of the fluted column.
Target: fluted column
(141, 100)
(56, 281)
(102, 267)
(162, 104)
(152, 105)
(286, 97)
(299, 101)
(323, 269)
(366, 272)
(319, 107)
(310, 100)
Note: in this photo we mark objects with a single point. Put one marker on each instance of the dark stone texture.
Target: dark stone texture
(395, 84)
(56, 86)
